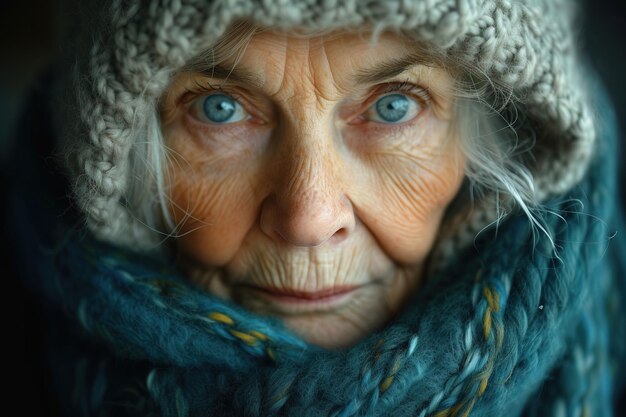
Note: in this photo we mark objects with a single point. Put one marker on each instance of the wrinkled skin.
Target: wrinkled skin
(309, 191)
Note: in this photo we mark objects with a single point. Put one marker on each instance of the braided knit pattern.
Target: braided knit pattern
(510, 329)
(127, 51)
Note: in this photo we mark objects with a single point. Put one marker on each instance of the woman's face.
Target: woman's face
(309, 178)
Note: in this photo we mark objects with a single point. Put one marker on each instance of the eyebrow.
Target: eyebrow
(389, 69)
(238, 75)
(376, 74)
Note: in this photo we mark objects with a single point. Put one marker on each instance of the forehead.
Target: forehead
(272, 60)
(331, 58)
(333, 45)
(343, 49)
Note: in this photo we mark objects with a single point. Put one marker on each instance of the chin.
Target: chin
(335, 331)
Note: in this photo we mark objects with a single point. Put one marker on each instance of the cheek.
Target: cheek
(413, 185)
(212, 204)
(211, 219)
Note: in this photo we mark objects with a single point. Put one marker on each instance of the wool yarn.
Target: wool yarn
(508, 328)
(125, 53)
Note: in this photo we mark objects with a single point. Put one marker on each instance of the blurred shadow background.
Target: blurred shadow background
(29, 39)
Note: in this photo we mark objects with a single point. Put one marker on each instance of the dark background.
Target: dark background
(29, 42)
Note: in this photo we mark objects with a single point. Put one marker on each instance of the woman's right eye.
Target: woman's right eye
(218, 109)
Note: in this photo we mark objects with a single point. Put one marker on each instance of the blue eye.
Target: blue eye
(393, 108)
(220, 109)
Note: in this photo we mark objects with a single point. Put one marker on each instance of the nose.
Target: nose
(308, 205)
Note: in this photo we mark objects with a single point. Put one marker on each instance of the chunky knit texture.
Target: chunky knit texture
(506, 329)
(126, 52)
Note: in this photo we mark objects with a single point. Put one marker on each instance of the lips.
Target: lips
(326, 293)
(292, 301)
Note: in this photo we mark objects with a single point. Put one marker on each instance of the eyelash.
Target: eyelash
(419, 92)
(198, 89)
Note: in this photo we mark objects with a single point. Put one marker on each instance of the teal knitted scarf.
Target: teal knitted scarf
(508, 328)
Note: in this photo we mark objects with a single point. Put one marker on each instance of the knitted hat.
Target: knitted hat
(125, 53)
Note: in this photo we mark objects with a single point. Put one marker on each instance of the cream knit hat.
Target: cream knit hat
(124, 52)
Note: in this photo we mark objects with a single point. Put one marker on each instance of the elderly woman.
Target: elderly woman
(313, 208)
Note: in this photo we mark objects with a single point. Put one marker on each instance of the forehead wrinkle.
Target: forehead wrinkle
(334, 79)
(307, 83)
(320, 76)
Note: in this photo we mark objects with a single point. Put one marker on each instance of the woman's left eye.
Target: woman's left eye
(393, 108)
(218, 109)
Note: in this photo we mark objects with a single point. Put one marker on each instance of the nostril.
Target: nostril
(339, 235)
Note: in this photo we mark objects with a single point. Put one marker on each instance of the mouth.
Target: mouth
(292, 295)
(291, 301)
